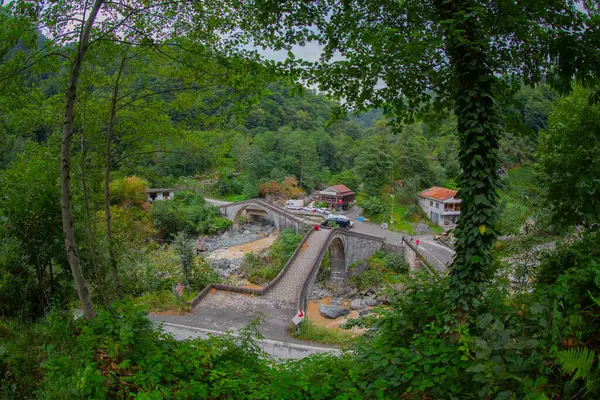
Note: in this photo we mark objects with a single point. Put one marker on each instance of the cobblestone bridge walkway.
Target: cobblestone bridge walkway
(222, 310)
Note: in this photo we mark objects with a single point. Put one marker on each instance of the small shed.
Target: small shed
(160, 194)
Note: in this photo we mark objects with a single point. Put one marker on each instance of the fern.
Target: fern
(578, 361)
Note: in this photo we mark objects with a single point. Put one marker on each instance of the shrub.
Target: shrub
(128, 190)
(396, 263)
(189, 213)
(261, 269)
(320, 334)
(413, 213)
(372, 205)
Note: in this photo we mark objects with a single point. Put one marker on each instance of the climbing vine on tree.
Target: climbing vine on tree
(418, 58)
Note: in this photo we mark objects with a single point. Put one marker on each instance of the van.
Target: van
(294, 204)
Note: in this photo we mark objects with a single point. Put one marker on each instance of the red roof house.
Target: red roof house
(441, 205)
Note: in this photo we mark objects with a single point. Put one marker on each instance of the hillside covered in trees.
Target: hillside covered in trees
(101, 101)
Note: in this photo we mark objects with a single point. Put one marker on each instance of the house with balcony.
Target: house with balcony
(335, 196)
(441, 206)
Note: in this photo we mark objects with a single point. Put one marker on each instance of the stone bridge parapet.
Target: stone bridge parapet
(279, 216)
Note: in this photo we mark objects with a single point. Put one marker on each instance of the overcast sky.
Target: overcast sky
(310, 52)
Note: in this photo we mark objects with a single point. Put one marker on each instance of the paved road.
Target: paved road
(278, 349)
(437, 254)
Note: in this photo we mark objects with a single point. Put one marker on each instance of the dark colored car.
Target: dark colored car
(329, 224)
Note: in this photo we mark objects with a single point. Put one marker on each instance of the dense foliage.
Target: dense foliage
(189, 213)
(168, 94)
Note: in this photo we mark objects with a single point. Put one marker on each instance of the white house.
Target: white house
(160, 194)
(440, 205)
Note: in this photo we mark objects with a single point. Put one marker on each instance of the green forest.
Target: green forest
(102, 101)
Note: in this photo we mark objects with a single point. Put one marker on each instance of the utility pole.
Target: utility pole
(392, 214)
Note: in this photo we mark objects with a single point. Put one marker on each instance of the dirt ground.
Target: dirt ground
(241, 249)
(316, 318)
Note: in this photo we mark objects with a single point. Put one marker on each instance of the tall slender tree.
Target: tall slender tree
(84, 24)
(415, 57)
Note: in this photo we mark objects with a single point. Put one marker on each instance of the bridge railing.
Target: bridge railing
(258, 292)
(303, 297)
(428, 266)
(265, 204)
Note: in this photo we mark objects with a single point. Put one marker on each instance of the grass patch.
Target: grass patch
(320, 334)
(406, 216)
(165, 301)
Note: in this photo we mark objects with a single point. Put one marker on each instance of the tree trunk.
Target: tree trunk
(301, 171)
(112, 255)
(478, 131)
(88, 217)
(65, 166)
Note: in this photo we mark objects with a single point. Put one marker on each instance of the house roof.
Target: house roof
(160, 190)
(340, 188)
(438, 193)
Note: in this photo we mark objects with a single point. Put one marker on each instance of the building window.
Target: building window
(437, 205)
(430, 202)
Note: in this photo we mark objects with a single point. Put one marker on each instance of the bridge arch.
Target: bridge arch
(252, 211)
(337, 260)
(279, 216)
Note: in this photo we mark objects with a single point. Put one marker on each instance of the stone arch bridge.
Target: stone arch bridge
(258, 208)
(225, 307)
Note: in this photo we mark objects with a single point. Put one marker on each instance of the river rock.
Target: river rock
(382, 299)
(332, 312)
(319, 292)
(422, 229)
(201, 245)
(371, 302)
(336, 301)
(357, 304)
(364, 313)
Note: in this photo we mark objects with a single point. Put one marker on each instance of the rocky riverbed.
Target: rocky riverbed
(226, 252)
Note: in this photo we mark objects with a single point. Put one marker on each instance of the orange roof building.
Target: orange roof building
(441, 205)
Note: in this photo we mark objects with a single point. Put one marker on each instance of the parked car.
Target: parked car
(310, 208)
(337, 220)
(330, 224)
(323, 211)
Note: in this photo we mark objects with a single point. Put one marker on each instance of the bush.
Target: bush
(320, 334)
(372, 205)
(261, 269)
(413, 213)
(159, 269)
(258, 270)
(130, 190)
(396, 263)
(165, 300)
(188, 213)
